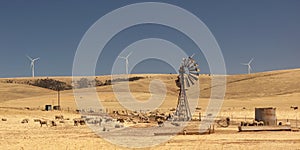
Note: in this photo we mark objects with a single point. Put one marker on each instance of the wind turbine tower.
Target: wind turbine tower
(126, 61)
(32, 64)
(249, 65)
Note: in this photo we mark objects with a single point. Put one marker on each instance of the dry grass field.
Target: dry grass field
(280, 89)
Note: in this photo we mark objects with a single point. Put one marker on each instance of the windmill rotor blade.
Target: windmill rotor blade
(196, 65)
(194, 77)
(192, 68)
(184, 61)
(191, 71)
(189, 63)
(191, 79)
(192, 55)
(187, 81)
(192, 59)
(193, 64)
(194, 73)
(244, 64)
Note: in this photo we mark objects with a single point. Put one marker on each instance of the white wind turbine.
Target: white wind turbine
(126, 61)
(249, 65)
(32, 64)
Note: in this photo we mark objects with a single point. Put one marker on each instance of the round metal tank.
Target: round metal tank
(267, 115)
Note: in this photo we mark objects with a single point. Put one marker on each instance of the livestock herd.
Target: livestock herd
(94, 120)
(117, 119)
(252, 123)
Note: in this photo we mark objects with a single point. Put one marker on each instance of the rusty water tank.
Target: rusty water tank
(267, 115)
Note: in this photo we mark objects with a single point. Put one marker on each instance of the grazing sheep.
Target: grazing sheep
(59, 117)
(43, 122)
(53, 123)
(4, 119)
(184, 132)
(160, 117)
(118, 126)
(243, 123)
(255, 123)
(78, 121)
(25, 121)
(160, 123)
(249, 123)
(36, 120)
(108, 120)
(260, 123)
(120, 120)
(169, 117)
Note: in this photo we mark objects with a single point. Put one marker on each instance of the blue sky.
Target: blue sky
(268, 31)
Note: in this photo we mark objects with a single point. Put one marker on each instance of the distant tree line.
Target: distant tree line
(51, 84)
(85, 82)
(81, 83)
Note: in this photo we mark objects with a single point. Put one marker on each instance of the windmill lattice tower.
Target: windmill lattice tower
(188, 73)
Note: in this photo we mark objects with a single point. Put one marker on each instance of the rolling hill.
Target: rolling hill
(243, 86)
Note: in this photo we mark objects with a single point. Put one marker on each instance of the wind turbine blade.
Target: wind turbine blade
(36, 59)
(244, 64)
(121, 57)
(250, 61)
(129, 54)
(29, 57)
(192, 55)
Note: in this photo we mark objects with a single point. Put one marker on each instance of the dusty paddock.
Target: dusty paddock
(15, 135)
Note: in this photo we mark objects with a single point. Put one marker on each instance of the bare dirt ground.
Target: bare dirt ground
(278, 89)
